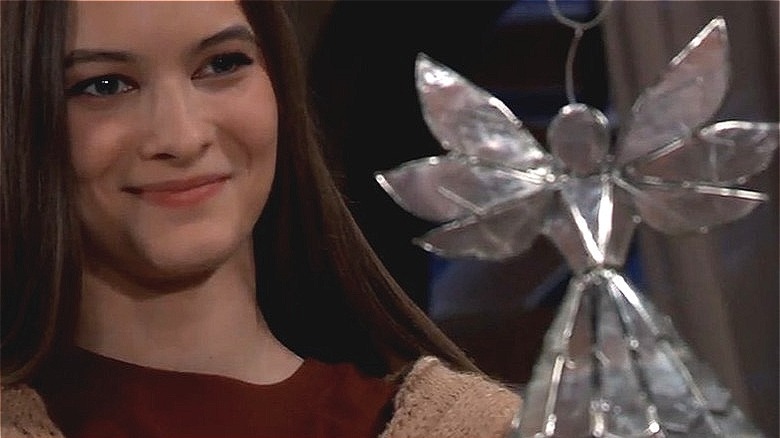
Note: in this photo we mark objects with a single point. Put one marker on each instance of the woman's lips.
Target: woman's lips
(180, 193)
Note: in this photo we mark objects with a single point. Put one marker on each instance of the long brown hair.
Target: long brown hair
(321, 288)
(40, 266)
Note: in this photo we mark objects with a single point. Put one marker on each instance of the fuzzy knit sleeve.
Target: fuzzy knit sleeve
(24, 414)
(437, 402)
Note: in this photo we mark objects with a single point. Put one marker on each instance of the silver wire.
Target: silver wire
(579, 29)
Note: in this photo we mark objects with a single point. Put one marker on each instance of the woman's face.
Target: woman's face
(173, 129)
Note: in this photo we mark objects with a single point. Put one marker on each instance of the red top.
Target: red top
(89, 395)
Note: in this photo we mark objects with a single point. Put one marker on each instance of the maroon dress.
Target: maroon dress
(89, 395)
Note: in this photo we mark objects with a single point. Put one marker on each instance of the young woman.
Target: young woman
(176, 260)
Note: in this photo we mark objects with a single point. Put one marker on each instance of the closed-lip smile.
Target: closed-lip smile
(179, 192)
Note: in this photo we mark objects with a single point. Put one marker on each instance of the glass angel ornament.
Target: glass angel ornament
(611, 366)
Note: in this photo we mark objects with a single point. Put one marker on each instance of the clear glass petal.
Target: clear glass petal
(505, 231)
(578, 136)
(449, 187)
(596, 223)
(687, 95)
(725, 152)
(590, 204)
(468, 119)
(622, 384)
(676, 209)
(562, 229)
(624, 222)
(561, 375)
(563, 232)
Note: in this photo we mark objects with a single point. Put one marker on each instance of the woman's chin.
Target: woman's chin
(190, 261)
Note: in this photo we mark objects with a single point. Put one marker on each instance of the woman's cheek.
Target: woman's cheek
(97, 142)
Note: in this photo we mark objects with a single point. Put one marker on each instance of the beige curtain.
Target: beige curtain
(721, 288)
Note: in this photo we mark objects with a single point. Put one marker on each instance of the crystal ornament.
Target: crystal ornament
(612, 366)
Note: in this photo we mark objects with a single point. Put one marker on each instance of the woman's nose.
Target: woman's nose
(177, 127)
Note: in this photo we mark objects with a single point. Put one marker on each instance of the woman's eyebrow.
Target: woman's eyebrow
(88, 55)
(236, 32)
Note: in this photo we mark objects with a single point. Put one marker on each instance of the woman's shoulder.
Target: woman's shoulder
(434, 400)
(24, 414)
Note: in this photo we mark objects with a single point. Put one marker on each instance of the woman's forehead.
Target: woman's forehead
(146, 24)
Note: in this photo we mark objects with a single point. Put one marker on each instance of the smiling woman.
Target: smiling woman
(176, 259)
(173, 137)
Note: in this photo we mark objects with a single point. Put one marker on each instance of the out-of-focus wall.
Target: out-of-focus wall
(721, 288)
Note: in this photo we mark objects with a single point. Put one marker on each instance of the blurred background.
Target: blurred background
(720, 288)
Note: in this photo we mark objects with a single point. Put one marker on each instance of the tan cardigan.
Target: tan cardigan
(432, 401)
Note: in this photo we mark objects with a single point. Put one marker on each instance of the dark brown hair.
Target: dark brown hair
(321, 288)
(40, 266)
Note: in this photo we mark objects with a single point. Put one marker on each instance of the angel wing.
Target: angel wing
(492, 163)
(693, 184)
(686, 96)
(683, 178)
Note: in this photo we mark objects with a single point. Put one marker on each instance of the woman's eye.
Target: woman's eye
(102, 86)
(223, 64)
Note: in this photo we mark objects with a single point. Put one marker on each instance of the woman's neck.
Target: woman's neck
(212, 326)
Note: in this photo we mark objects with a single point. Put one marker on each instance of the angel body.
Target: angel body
(611, 366)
